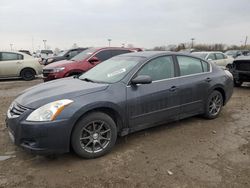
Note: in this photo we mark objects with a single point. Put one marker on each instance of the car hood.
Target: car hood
(67, 88)
(58, 64)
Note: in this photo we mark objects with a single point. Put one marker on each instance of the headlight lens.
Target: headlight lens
(229, 74)
(59, 69)
(50, 60)
(50, 111)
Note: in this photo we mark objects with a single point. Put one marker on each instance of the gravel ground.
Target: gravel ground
(190, 153)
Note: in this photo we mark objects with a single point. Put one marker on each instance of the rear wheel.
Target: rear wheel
(28, 74)
(214, 105)
(94, 135)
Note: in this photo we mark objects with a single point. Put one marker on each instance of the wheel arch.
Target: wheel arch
(109, 109)
(222, 91)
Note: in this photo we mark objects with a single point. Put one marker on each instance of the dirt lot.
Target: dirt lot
(189, 153)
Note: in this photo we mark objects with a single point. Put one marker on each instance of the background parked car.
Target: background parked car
(240, 70)
(18, 64)
(25, 51)
(234, 53)
(218, 58)
(67, 54)
(46, 54)
(81, 62)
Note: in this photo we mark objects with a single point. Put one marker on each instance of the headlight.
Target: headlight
(50, 60)
(229, 74)
(59, 69)
(50, 111)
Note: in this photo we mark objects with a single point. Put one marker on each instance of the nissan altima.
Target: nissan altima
(124, 94)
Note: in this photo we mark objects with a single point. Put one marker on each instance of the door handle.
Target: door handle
(18, 62)
(173, 88)
(208, 79)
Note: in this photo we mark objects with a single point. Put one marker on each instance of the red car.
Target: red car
(81, 62)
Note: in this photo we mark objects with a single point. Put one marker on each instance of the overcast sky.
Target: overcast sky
(143, 23)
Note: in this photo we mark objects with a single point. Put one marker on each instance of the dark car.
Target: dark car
(68, 54)
(240, 68)
(26, 52)
(81, 62)
(124, 94)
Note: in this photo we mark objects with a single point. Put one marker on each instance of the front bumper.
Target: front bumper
(40, 137)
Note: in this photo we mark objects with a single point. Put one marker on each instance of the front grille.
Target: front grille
(46, 72)
(16, 110)
(243, 65)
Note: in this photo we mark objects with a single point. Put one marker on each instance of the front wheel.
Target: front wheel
(94, 135)
(214, 105)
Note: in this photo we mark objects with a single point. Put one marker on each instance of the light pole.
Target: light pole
(192, 44)
(44, 41)
(123, 45)
(11, 45)
(109, 40)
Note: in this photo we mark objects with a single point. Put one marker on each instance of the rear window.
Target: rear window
(189, 65)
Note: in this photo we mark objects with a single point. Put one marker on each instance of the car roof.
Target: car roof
(240, 58)
(151, 54)
(208, 52)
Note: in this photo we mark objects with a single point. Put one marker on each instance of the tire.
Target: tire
(214, 105)
(237, 83)
(94, 135)
(28, 74)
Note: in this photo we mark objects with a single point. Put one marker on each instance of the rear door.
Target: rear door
(11, 63)
(193, 84)
(157, 102)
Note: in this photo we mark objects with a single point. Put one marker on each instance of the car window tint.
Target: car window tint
(104, 55)
(206, 67)
(211, 56)
(159, 68)
(73, 53)
(189, 65)
(7, 56)
(219, 56)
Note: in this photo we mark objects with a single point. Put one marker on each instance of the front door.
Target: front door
(150, 104)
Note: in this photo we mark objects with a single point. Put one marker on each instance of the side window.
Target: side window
(189, 65)
(118, 52)
(211, 56)
(219, 56)
(103, 55)
(159, 68)
(73, 53)
(206, 67)
(7, 56)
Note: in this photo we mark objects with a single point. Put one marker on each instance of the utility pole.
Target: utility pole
(11, 45)
(44, 41)
(192, 44)
(109, 40)
(246, 41)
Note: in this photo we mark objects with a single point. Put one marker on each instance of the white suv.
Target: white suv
(18, 64)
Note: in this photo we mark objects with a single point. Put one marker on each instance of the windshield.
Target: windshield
(84, 54)
(62, 53)
(111, 70)
(200, 55)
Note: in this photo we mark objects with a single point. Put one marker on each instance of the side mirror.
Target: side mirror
(67, 56)
(93, 60)
(141, 79)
